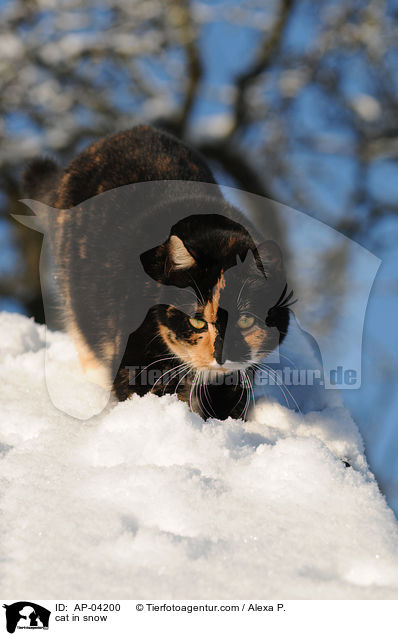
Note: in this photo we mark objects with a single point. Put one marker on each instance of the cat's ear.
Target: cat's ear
(270, 257)
(179, 256)
(167, 261)
(40, 220)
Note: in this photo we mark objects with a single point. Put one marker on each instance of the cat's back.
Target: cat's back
(137, 155)
(118, 200)
(88, 225)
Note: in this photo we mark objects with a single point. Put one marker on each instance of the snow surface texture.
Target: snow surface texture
(146, 500)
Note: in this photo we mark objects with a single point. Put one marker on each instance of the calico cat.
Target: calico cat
(165, 288)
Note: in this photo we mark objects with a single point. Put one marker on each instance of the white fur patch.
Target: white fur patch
(179, 254)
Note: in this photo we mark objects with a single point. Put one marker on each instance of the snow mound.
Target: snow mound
(146, 500)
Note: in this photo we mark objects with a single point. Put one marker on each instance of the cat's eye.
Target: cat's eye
(197, 323)
(245, 322)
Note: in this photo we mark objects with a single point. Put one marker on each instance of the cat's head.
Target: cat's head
(227, 309)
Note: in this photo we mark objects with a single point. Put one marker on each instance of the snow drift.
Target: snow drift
(146, 500)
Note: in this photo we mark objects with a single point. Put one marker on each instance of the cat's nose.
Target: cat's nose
(228, 344)
(234, 350)
(229, 348)
(219, 350)
(222, 321)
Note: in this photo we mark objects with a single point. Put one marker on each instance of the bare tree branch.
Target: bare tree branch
(194, 64)
(264, 58)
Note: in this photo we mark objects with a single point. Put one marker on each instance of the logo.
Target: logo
(26, 615)
(154, 272)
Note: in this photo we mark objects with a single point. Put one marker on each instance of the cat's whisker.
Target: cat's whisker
(192, 389)
(259, 318)
(271, 374)
(182, 378)
(282, 355)
(204, 379)
(200, 295)
(247, 401)
(241, 290)
(243, 414)
(176, 368)
(242, 379)
(268, 369)
(173, 377)
(251, 391)
(287, 391)
(158, 335)
(198, 393)
(196, 387)
(176, 371)
(208, 398)
(189, 291)
(178, 305)
(243, 391)
(171, 357)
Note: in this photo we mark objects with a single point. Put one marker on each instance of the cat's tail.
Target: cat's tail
(40, 178)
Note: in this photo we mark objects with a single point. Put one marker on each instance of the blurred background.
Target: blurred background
(293, 100)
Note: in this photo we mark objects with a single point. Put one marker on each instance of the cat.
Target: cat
(165, 287)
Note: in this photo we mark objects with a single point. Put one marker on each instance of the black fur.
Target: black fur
(39, 177)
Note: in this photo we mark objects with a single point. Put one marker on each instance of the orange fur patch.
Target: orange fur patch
(91, 366)
(211, 308)
(62, 193)
(198, 353)
(255, 339)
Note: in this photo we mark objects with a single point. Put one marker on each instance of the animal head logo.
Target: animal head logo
(308, 237)
(25, 614)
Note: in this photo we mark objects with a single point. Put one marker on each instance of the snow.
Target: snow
(145, 500)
